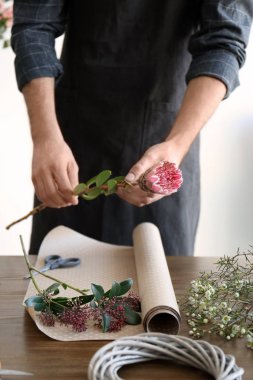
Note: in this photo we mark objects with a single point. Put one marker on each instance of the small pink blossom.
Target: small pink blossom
(164, 178)
(6, 13)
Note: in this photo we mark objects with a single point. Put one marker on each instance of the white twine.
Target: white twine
(107, 361)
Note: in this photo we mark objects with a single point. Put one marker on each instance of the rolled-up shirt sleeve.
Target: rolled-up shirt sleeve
(36, 25)
(218, 46)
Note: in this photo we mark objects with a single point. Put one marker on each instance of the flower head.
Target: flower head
(164, 178)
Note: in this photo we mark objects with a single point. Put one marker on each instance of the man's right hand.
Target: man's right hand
(54, 173)
(54, 169)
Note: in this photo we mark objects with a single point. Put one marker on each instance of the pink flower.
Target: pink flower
(164, 178)
(6, 13)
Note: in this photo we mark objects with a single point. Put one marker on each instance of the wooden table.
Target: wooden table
(23, 347)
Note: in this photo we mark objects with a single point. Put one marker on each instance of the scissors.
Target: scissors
(56, 261)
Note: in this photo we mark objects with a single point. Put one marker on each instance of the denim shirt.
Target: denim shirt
(217, 46)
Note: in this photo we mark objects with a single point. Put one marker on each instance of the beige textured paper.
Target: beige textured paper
(101, 263)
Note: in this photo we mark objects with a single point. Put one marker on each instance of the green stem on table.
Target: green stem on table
(83, 292)
(29, 266)
(32, 268)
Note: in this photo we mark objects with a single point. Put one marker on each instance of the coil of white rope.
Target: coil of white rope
(107, 361)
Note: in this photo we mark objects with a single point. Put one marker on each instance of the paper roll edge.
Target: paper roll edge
(163, 319)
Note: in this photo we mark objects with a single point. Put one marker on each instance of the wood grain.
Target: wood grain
(23, 347)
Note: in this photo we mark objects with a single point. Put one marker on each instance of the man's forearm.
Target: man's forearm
(201, 99)
(39, 98)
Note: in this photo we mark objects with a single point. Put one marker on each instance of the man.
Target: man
(136, 82)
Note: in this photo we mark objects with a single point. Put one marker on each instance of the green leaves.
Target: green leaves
(103, 177)
(118, 289)
(53, 289)
(80, 188)
(92, 194)
(31, 301)
(131, 316)
(98, 291)
(106, 319)
(115, 290)
(100, 184)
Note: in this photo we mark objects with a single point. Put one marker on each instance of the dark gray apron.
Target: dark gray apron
(125, 63)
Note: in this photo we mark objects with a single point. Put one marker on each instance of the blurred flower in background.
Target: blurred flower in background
(6, 17)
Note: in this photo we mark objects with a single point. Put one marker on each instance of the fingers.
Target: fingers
(47, 192)
(54, 173)
(140, 167)
(137, 197)
(64, 185)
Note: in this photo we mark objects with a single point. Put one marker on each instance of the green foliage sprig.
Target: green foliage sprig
(101, 184)
(109, 310)
(221, 302)
(98, 185)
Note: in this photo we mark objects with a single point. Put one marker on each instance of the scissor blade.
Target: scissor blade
(43, 269)
(9, 372)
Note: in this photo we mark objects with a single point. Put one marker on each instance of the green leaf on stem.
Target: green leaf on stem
(80, 188)
(84, 299)
(103, 177)
(119, 179)
(65, 286)
(112, 187)
(57, 308)
(62, 300)
(93, 304)
(131, 317)
(31, 301)
(106, 319)
(91, 181)
(115, 291)
(125, 286)
(93, 194)
(39, 306)
(53, 288)
(98, 291)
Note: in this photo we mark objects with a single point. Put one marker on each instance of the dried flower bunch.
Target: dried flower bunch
(221, 302)
(108, 310)
(163, 178)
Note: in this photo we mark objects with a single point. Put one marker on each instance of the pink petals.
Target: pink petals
(164, 178)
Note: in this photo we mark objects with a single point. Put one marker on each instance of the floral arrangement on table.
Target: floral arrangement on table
(108, 310)
(221, 302)
(164, 178)
(6, 16)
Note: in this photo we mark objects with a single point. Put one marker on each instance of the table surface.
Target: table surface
(23, 347)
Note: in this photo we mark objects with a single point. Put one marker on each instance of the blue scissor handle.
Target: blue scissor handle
(56, 261)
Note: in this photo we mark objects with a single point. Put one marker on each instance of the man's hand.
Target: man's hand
(54, 173)
(54, 169)
(202, 97)
(165, 151)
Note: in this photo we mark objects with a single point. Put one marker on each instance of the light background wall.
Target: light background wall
(226, 167)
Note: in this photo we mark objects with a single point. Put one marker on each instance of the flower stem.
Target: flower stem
(29, 266)
(42, 206)
(34, 211)
(83, 292)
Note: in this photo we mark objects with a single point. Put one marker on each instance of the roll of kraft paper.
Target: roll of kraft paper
(159, 305)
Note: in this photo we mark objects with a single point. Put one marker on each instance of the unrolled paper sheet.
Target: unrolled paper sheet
(102, 263)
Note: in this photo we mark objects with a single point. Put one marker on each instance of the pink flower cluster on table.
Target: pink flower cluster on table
(164, 178)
